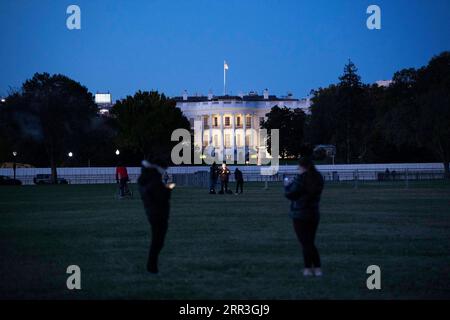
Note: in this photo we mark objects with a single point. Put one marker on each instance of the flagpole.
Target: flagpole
(224, 79)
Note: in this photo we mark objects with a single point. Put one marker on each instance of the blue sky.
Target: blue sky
(126, 45)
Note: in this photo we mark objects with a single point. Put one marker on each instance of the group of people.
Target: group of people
(304, 192)
(223, 174)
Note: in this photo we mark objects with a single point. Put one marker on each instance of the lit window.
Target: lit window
(247, 140)
(248, 121)
(227, 141)
(227, 121)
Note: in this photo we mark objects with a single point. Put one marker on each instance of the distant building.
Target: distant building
(104, 103)
(230, 124)
(384, 83)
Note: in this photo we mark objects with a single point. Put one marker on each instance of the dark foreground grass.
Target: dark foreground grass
(224, 246)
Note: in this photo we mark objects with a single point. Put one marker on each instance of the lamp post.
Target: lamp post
(70, 155)
(14, 163)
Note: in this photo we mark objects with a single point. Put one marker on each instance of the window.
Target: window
(227, 141)
(248, 121)
(216, 140)
(227, 121)
(216, 122)
(238, 121)
(238, 140)
(205, 121)
(247, 140)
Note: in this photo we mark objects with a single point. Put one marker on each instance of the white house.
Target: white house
(230, 125)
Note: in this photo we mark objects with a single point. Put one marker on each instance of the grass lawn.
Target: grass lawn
(224, 246)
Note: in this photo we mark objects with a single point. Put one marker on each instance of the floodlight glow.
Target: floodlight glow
(117, 152)
(70, 154)
(14, 153)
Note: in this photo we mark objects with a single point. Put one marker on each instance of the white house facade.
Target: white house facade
(230, 125)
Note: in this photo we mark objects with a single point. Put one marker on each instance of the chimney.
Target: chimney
(210, 95)
(185, 95)
(266, 94)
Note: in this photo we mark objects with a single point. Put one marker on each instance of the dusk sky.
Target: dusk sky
(170, 46)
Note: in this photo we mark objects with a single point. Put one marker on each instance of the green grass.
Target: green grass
(224, 246)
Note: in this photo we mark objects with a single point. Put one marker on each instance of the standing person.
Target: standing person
(304, 191)
(224, 177)
(213, 174)
(166, 177)
(122, 178)
(239, 181)
(155, 196)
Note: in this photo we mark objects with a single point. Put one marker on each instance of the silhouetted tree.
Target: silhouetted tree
(291, 123)
(145, 123)
(52, 111)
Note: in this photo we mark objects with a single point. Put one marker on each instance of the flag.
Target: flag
(225, 65)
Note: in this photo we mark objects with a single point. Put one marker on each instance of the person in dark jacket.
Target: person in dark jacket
(155, 197)
(213, 175)
(239, 181)
(304, 191)
(224, 175)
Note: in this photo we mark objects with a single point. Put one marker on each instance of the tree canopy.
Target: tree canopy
(52, 112)
(291, 123)
(145, 123)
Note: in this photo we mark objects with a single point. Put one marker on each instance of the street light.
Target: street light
(3, 100)
(117, 152)
(14, 164)
(70, 154)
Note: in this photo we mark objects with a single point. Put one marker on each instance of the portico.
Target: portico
(230, 125)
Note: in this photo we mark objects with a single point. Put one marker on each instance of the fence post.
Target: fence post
(406, 179)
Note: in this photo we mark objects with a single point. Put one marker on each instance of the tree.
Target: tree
(434, 111)
(145, 123)
(53, 111)
(342, 115)
(417, 108)
(291, 124)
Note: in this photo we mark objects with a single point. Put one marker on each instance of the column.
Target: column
(244, 117)
(222, 138)
(233, 135)
(252, 141)
(201, 126)
(210, 129)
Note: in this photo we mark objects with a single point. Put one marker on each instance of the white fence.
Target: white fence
(96, 175)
